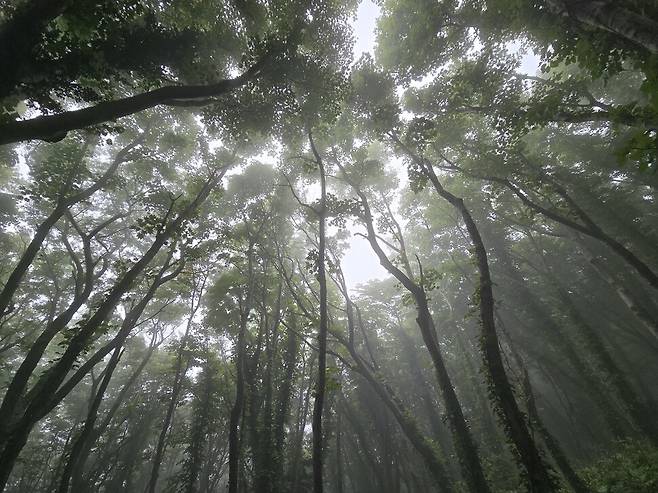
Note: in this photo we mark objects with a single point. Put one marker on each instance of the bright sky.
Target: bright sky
(364, 28)
(360, 263)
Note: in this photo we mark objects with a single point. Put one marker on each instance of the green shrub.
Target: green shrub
(632, 469)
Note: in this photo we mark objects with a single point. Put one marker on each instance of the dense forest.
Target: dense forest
(243, 256)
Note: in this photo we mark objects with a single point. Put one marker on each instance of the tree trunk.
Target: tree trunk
(77, 482)
(181, 370)
(625, 296)
(43, 390)
(238, 405)
(53, 128)
(318, 405)
(469, 461)
(537, 473)
(88, 428)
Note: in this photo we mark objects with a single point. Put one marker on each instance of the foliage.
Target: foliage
(632, 468)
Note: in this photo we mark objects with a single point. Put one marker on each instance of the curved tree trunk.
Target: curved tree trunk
(537, 472)
(53, 128)
(88, 428)
(469, 460)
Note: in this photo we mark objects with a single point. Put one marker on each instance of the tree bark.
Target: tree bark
(318, 404)
(88, 428)
(53, 128)
(238, 404)
(469, 460)
(182, 365)
(426, 448)
(536, 471)
(624, 295)
(48, 384)
(77, 482)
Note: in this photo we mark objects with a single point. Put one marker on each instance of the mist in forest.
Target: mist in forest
(323, 246)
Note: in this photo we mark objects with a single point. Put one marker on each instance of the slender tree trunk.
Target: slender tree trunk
(42, 392)
(339, 454)
(77, 483)
(426, 448)
(181, 370)
(556, 336)
(364, 449)
(301, 422)
(553, 446)
(182, 365)
(318, 405)
(283, 404)
(491, 433)
(237, 410)
(649, 322)
(469, 460)
(437, 427)
(638, 410)
(88, 428)
(537, 472)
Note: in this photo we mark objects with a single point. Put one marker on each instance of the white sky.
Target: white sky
(359, 262)
(364, 28)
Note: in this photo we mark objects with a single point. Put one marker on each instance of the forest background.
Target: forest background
(242, 255)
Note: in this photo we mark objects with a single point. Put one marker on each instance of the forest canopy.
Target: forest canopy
(243, 256)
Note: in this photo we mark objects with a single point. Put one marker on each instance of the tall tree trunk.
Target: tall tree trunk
(88, 428)
(182, 365)
(339, 454)
(283, 404)
(537, 472)
(238, 405)
(469, 460)
(638, 410)
(426, 448)
(599, 266)
(558, 337)
(78, 484)
(41, 394)
(318, 404)
(553, 446)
